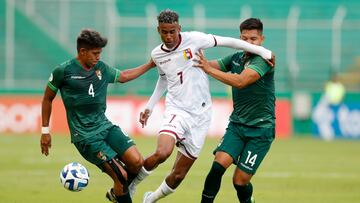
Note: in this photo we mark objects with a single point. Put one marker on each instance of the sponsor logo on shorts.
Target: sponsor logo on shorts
(247, 167)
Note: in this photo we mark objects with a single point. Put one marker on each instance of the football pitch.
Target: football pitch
(297, 170)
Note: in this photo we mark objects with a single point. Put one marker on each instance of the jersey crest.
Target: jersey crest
(98, 74)
(187, 54)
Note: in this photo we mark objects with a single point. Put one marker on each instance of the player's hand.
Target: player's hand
(45, 143)
(271, 62)
(144, 116)
(202, 62)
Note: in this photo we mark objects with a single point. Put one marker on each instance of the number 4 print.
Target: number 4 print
(91, 90)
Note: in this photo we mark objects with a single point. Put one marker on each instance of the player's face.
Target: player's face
(90, 57)
(252, 36)
(169, 33)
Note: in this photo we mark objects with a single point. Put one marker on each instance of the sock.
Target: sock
(130, 176)
(244, 193)
(162, 191)
(212, 183)
(140, 176)
(124, 198)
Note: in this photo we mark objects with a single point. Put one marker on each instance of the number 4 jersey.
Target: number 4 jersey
(187, 86)
(84, 95)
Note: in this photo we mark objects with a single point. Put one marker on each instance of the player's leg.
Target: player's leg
(226, 153)
(97, 151)
(119, 192)
(126, 150)
(165, 146)
(181, 167)
(255, 150)
(213, 180)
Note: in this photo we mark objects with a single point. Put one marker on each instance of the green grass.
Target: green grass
(297, 170)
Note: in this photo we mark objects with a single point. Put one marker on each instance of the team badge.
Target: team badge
(187, 54)
(98, 74)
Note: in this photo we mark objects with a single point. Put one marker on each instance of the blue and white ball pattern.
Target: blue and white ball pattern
(74, 177)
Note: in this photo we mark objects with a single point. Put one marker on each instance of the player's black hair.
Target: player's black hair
(252, 24)
(168, 16)
(90, 39)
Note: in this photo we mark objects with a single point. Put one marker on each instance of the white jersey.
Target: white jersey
(187, 86)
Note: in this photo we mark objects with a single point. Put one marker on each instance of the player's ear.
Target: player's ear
(82, 51)
(158, 29)
(179, 28)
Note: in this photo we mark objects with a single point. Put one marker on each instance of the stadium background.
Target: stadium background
(311, 39)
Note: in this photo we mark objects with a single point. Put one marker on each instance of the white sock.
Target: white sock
(141, 176)
(162, 191)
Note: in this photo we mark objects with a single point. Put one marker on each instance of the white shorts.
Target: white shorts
(189, 131)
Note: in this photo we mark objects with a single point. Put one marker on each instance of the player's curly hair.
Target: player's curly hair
(90, 39)
(252, 24)
(168, 16)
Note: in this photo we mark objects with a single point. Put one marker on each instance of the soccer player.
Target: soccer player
(188, 102)
(83, 82)
(251, 129)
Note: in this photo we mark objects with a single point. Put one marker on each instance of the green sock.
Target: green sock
(212, 183)
(244, 192)
(124, 198)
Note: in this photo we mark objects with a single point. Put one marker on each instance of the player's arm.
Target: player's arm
(247, 77)
(159, 90)
(243, 45)
(46, 106)
(130, 74)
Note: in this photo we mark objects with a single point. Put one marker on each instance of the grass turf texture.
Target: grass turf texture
(297, 170)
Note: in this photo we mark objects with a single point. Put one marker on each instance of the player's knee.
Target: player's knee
(162, 155)
(136, 165)
(178, 177)
(241, 179)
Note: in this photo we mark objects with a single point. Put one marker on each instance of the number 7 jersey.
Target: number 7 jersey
(187, 86)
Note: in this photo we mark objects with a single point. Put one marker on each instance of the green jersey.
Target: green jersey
(253, 105)
(84, 96)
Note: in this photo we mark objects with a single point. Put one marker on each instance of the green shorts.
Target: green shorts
(246, 145)
(104, 146)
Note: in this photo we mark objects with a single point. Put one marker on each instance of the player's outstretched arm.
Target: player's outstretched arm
(45, 140)
(241, 44)
(159, 90)
(130, 74)
(247, 77)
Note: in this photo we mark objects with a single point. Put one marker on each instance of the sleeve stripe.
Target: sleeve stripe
(52, 87)
(117, 76)
(215, 41)
(258, 70)
(222, 65)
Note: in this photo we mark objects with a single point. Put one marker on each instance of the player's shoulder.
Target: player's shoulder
(259, 62)
(258, 59)
(156, 50)
(66, 64)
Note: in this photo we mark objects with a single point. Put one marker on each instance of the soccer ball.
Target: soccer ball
(74, 177)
